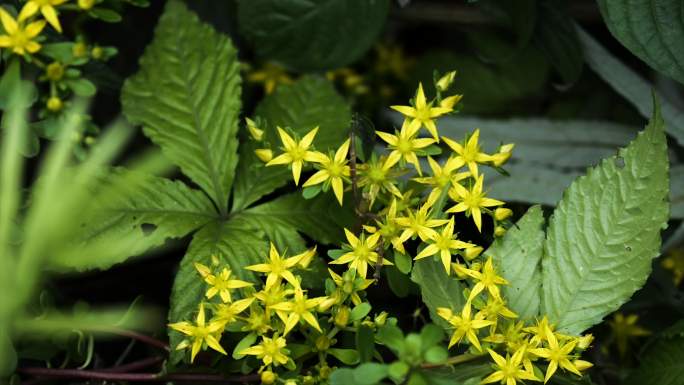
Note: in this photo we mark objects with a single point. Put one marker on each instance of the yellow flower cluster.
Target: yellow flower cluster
(272, 310)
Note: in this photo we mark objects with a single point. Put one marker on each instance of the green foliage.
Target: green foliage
(650, 29)
(314, 35)
(310, 102)
(605, 231)
(555, 35)
(436, 288)
(187, 98)
(517, 255)
(662, 363)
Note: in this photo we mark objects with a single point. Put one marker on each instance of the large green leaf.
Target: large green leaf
(555, 35)
(629, 84)
(518, 255)
(187, 98)
(312, 35)
(145, 209)
(661, 364)
(235, 247)
(605, 231)
(321, 218)
(310, 102)
(437, 288)
(653, 30)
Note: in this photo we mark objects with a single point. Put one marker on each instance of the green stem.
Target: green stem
(455, 360)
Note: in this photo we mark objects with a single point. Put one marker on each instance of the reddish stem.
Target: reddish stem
(139, 377)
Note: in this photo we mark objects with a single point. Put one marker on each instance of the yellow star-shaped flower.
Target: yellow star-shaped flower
(404, 145)
(333, 171)
(362, 253)
(277, 268)
(200, 334)
(469, 153)
(227, 313)
(486, 279)
(443, 243)
(18, 37)
(464, 325)
(270, 351)
(423, 113)
(296, 153)
(221, 283)
(442, 177)
(298, 309)
(556, 355)
(46, 7)
(471, 200)
(508, 369)
(419, 223)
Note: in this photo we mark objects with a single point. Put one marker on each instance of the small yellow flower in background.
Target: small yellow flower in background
(539, 329)
(270, 75)
(46, 8)
(19, 37)
(486, 279)
(469, 153)
(625, 328)
(471, 200)
(494, 308)
(277, 268)
(270, 351)
(464, 325)
(404, 145)
(391, 59)
(419, 223)
(220, 283)
(54, 71)
(54, 104)
(389, 229)
(423, 113)
(79, 49)
(556, 355)
(674, 261)
(256, 133)
(377, 176)
(296, 153)
(362, 253)
(86, 4)
(272, 296)
(508, 369)
(333, 170)
(200, 333)
(443, 243)
(298, 309)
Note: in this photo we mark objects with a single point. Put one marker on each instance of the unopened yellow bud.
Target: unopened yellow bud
(380, 319)
(459, 270)
(584, 341)
(97, 52)
(290, 382)
(342, 316)
(308, 380)
(215, 260)
(54, 104)
(503, 155)
(54, 71)
(322, 343)
(324, 372)
(268, 377)
(327, 303)
(502, 213)
(265, 154)
(79, 49)
(256, 133)
(473, 252)
(582, 365)
(86, 4)
(445, 81)
(450, 102)
(499, 231)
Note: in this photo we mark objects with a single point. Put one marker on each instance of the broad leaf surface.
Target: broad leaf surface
(517, 256)
(437, 288)
(312, 35)
(187, 98)
(605, 232)
(661, 364)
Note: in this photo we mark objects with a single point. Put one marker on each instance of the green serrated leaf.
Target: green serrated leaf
(437, 288)
(661, 364)
(321, 218)
(650, 29)
(155, 208)
(605, 232)
(309, 102)
(187, 98)
(312, 35)
(235, 247)
(517, 255)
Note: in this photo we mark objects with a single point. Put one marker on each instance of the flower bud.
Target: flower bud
(79, 49)
(445, 81)
(290, 382)
(308, 380)
(472, 252)
(324, 372)
(54, 104)
(256, 133)
(450, 102)
(268, 377)
(342, 316)
(54, 71)
(97, 53)
(502, 213)
(380, 319)
(499, 231)
(86, 4)
(265, 154)
(503, 154)
(582, 365)
(584, 341)
(322, 343)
